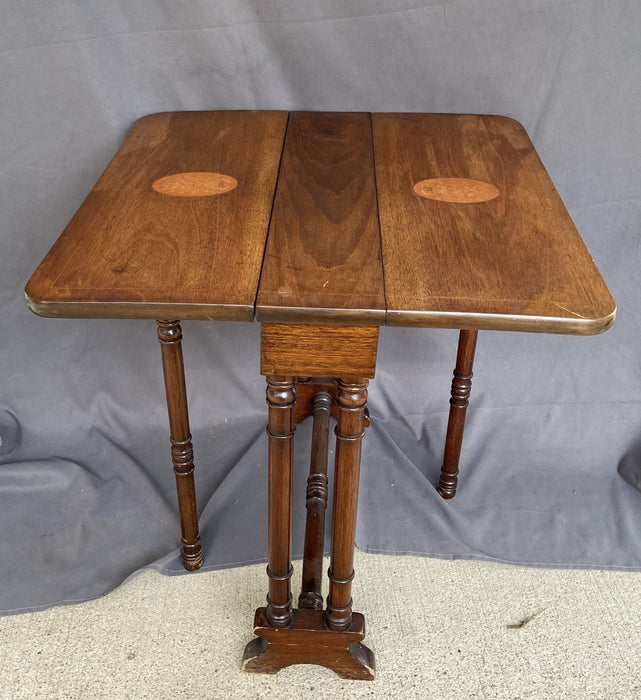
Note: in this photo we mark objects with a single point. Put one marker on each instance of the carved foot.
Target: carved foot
(308, 641)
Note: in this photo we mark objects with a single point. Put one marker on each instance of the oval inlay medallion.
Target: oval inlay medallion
(195, 184)
(460, 190)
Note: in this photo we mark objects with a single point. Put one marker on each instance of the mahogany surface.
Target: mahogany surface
(311, 595)
(308, 641)
(305, 349)
(306, 390)
(154, 240)
(514, 262)
(323, 255)
(281, 396)
(134, 252)
(350, 430)
(459, 400)
(323, 226)
(182, 452)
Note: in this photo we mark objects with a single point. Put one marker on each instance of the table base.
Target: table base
(308, 640)
(309, 634)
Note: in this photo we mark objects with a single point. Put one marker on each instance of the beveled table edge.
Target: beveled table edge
(141, 310)
(501, 322)
(355, 317)
(276, 314)
(316, 316)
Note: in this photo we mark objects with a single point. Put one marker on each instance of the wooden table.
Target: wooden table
(323, 227)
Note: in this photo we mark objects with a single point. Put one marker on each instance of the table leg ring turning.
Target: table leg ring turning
(315, 239)
(309, 634)
(182, 453)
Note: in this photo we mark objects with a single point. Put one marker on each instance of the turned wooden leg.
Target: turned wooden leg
(351, 399)
(305, 636)
(170, 337)
(311, 596)
(281, 397)
(461, 388)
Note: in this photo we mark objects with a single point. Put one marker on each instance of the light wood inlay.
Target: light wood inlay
(132, 252)
(460, 190)
(515, 262)
(440, 257)
(342, 222)
(195, 184)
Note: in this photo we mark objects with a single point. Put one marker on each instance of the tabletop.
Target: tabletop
(441, 220)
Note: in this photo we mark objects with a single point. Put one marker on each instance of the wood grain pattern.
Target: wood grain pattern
(318, 350)
(281, 397)
(311, 593)
(459, 400)
(136, 253)
(182, 451)
(306, 390)
(308, 641)
(513, 263)
(323, 260)
(461, 190)
(350, 430)
(195, 184)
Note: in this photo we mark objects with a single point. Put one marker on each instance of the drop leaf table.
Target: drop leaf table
(322, 227)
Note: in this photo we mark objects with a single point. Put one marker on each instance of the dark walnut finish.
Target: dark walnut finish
(514, 262)
(289, 636)
(133, 252)
(306, 390)
(316, 496)
(281, 396)
(323, 255)
(511, 262)
(318, 350)
(308, 641)
(460, 398)
(350, 430)
(322, 226)
(182, 453)
(309, 634)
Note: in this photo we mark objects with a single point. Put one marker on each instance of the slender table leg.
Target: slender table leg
(461, 388)
(309, 635)
(170, 337)
(281, 397)
(351, 399)
(311, 596)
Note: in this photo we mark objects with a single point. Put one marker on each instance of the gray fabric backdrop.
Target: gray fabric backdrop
(552, 456)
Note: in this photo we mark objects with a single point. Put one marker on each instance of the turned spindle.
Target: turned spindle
(311, 596)
(460, 396)
(351, 399)
(281, 397)
(182, 454)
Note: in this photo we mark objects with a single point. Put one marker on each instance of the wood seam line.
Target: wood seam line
(271, 213)
(378, 217)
